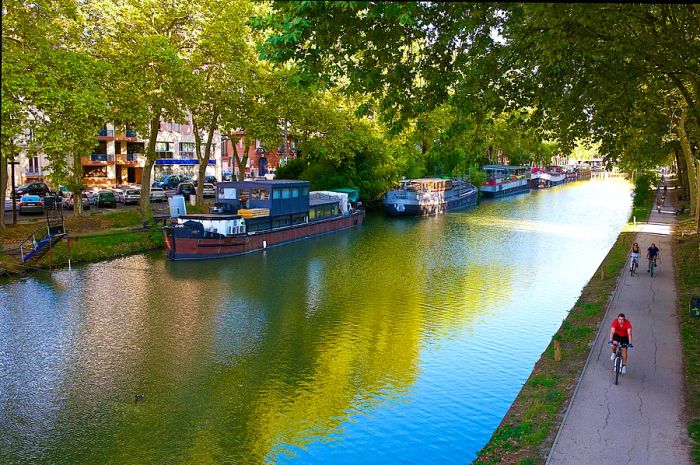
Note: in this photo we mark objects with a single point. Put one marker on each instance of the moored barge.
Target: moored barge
(429, 196)
(503, 180)
(260, 214)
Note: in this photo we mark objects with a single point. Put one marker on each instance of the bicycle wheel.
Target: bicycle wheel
(653, 265)
(618, 367)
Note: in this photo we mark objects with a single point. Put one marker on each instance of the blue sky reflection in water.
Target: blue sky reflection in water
(404, 341)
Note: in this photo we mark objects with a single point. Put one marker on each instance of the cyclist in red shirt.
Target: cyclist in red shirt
(621, 332)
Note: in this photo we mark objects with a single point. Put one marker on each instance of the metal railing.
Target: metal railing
(105, 157)
(106, 132)
(32, 239)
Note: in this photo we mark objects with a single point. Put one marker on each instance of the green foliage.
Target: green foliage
(643, 189)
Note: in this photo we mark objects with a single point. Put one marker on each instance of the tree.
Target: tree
(144, 42)
(51, 86)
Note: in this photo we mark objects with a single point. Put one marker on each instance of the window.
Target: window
(285, 193)
(295, 192)
(227, 193)
(162, 146)
(276, 193)
(187, 150)
(312, 214)
(95, 171)
(260, 194)
(304, 191)
(244, 195)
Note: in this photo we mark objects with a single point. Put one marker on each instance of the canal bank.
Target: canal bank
(370, 346)
(569, 412)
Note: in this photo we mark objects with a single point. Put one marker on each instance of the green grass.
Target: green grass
(686, 255)
(529, 427)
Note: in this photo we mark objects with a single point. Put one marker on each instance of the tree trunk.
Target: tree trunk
(3, 187)
(204, 159)
(145, 206)
(198, 151)
(690, 164)
(77, 172)
(242, 161)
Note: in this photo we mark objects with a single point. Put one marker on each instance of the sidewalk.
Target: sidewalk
(641, 421)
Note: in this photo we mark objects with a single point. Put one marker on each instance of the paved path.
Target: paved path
(641, 421)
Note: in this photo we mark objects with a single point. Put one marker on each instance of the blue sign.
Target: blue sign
(174, 161)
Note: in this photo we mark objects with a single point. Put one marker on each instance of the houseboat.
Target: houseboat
(547, 177)
(502, 180)
(429, 196)
(258, 214)
(583, 171)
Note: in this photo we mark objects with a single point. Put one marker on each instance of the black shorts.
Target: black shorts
(622, 339)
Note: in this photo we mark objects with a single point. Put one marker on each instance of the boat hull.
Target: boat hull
(184, 244)
(412, 207)
(504, 189)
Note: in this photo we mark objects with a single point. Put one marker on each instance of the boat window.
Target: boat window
(295, 192)
(260, 194)
(285, 193)
(227, 193)
(276, 193)
(304, 191)
(312, 214)
(244, 195)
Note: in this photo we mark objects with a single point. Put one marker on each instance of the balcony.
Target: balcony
(98, 159)
(106, 133)
(130, 159)
(131, 133)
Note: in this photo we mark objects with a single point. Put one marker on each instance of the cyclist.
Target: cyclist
(620, 333)
(652, 255)
(634, 253)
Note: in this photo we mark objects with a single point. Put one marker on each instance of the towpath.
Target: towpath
(641, 421)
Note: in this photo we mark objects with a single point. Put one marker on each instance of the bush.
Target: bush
(643, 189)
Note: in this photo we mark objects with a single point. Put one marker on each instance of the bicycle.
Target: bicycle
(634, 265)
(617, 364)
(652, 265)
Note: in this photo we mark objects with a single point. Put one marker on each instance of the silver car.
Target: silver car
(157, 194)
(131, 196)
(208, 190)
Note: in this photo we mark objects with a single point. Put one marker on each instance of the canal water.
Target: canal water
(401, 342)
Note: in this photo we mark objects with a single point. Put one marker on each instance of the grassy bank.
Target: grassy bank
(92, 238)
(686, 256)
(527, 431)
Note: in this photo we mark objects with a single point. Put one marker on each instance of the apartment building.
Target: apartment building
(118, 157)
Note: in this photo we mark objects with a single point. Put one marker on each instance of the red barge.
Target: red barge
(254, 215)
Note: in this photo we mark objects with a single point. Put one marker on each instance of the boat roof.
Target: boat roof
(264, 183)
(425, 180)
(505, 167)
(210, 216)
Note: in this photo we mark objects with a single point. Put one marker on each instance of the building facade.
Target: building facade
(118, 157)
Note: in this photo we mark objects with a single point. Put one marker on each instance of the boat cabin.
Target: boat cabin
(280, 197)
(503, 171)
(426, 184)
(226, 225)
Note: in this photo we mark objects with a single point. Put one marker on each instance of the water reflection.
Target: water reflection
(374, 345)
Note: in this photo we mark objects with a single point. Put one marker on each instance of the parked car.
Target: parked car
(91, 196)
(157, 194)
(118, 194)
(131, 196)
(31, 204)
(68, 200)
(32, 188)
(106, 199)
(208, 190)
(186, 189)
(171, 181)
